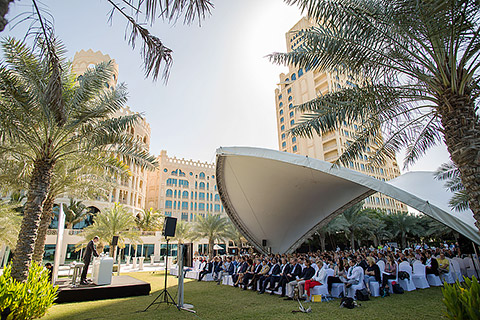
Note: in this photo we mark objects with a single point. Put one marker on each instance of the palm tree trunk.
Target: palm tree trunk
(404, 240)
(210, 248)
(322, 240)
(37, 193)
(352, 241)
(462, 136)
(47, 213)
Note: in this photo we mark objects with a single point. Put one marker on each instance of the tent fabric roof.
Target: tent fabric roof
(284, 198)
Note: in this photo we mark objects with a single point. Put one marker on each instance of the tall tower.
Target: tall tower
(299, 86)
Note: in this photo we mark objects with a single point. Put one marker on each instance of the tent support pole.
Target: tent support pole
(475, 260)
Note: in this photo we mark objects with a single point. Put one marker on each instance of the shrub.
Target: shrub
(462, 301)
(26, 300)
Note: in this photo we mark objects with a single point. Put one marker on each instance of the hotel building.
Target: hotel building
(299, 86)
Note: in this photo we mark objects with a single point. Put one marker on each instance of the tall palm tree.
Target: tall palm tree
(236, 236)
(30, 127)
(114, 221)
(213, 227)
(403, 224)
(149, 220)
(416, 64)
(335, 225)
(353, 220)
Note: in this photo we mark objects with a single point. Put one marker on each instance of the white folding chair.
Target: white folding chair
(456, 269)
(419, 276)
(463, 269)
(323, 289)
(406, 284)
(450, 276)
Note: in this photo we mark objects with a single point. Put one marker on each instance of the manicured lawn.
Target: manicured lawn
(225, 302)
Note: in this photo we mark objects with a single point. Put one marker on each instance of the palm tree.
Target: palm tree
(236, 236)
(31, 128)
(114, 221)
(75, 212)
(212, 227)
(335, 225)
(9, 224)
(451, 175)
(403, 224)
(415, 64)
(183, 232)
(354, 220)
(86, 178)
(149, 220)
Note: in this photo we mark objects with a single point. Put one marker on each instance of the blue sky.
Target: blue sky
(221, 87)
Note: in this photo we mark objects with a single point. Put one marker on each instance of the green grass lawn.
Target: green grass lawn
(225, 302)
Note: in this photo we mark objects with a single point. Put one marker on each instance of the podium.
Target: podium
(102, 270)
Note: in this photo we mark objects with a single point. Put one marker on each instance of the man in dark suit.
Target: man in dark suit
(276, 280)
(294, 272)
(87, 257)
(264, 280)
(206, 270)
(307, 273)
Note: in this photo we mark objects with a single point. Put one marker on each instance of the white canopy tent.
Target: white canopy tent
(279, 199)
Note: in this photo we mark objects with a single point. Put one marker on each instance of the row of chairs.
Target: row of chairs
(418, 279)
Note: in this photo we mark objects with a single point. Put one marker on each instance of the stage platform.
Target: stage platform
(121, 287)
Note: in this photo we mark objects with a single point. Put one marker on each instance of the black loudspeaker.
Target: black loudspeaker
(169, 227)
(114, 241)
(264, 243)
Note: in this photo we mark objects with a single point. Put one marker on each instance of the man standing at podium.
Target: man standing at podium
(87, 257)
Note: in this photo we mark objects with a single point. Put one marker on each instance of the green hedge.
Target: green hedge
(462, 300)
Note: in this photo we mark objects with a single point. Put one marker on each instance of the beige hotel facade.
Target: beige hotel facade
(299, 86)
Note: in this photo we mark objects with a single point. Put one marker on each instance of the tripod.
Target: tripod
(167, 297)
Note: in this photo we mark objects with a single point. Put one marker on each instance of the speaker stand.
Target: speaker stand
(164, 296)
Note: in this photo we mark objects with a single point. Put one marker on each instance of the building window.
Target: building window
(280, 97)
(281, 120)
(290, 106)
(294, 77)
(168, 204)
(217, 197)
(184, 216)
(294, 139)
(168, 213)
(300, 72)
(290, 98)
(292, 122)
(291, 114)
(282, 128)
(362, 166)
(185, 194)
(201, 206)
(289, 90)
(183, 183)
(185, 205)
(201, 196)
(202, 175)
(171, 182)
(284, 144)
(294, 149)
(287, 80)
(169, 193)
(283, 136)
(202, 186)
(280, 105)
(217, 208)
(281, 112)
